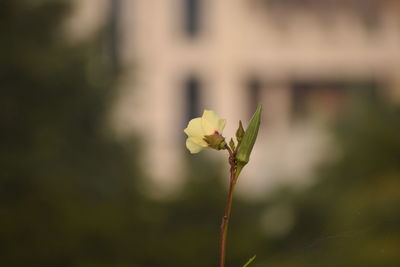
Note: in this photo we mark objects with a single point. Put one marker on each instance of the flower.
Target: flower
(208, 127)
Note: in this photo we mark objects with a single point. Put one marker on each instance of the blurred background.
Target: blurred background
(95, 95)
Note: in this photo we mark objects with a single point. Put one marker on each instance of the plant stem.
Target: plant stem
(227, 215)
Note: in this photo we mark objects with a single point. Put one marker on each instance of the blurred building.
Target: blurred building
(300, 58)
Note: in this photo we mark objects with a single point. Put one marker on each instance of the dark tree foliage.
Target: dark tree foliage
(67, 188)
(350, 217)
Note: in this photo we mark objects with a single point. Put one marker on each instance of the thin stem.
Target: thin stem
(227, 215)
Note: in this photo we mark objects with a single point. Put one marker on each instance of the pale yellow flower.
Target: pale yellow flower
(210, 123)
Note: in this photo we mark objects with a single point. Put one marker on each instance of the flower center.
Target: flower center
(216, 132)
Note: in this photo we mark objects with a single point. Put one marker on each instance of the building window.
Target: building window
(192, 87)
(300, 93)
(192, 17)
(327, 99)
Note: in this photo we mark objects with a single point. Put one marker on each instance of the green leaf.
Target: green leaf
(249, 138)
(250, 261)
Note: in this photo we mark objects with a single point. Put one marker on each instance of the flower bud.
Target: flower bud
(232, 145)
(215, 141)
(239, 132)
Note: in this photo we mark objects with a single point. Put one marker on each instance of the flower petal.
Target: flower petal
(221, 125)
(210, 122)
(194, 128)
(199, 141)
(193, 147)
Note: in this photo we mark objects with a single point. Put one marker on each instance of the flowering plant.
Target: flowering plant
(206, 132)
